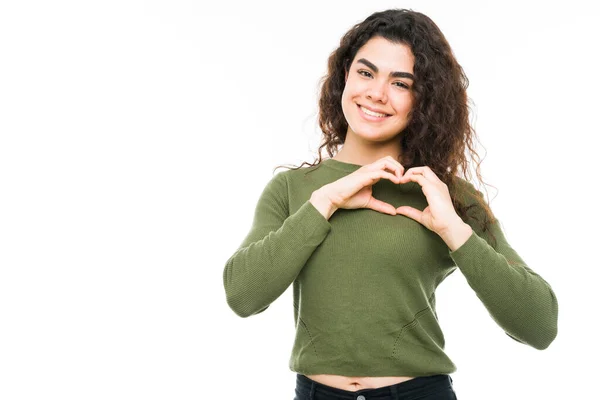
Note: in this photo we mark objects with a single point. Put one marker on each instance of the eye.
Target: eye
(368, 74)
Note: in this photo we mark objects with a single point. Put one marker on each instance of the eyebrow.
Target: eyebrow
(394, 74)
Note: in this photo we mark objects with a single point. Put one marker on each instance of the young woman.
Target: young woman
(366, 235)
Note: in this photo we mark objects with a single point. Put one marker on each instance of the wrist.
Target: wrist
(456, 234)
(322, 203)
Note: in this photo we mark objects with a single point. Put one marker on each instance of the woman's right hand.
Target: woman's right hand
(355, 190)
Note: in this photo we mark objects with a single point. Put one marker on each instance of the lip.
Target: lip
(374, 109)
(369, 117)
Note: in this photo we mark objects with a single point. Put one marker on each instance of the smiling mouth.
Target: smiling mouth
(372, 113)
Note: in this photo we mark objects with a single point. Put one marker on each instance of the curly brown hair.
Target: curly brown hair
(439, 131)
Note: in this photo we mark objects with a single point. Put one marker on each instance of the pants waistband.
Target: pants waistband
(411, 387)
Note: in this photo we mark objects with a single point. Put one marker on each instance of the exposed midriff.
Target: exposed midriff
(357, 383)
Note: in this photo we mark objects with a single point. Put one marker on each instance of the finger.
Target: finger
(427, 173)
(391, 164)
(414, 170)
(397, 167)
(381, 206)
(415, 177)
(393, 176)
(376, 175)
(410, 212)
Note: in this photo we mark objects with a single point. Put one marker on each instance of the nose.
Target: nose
(377, 92)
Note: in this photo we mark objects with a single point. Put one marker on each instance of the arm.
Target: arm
(518, 299)
(273, 252)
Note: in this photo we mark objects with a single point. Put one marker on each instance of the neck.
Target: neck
(358, 150)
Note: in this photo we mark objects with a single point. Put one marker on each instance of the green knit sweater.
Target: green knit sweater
(364, 282)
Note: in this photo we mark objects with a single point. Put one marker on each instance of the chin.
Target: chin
(374, 133)
(375, 136)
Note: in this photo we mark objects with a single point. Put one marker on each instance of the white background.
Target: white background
(136, 137)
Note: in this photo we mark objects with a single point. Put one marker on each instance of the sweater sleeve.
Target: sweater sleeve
(518, 299)
(274, 251)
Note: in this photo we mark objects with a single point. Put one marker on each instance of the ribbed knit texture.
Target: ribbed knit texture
(364, 282)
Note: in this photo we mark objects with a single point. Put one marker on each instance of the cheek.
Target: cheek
(403, 105)
(347, 94)
(346, 102)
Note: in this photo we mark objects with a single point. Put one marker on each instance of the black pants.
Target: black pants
(435, 387)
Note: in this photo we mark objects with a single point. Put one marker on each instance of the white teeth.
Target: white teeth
(371, 113)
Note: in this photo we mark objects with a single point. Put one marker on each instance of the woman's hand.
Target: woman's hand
(354, 190)
(439, 216)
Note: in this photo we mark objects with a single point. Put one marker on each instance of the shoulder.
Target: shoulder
(466, 191)
(473, 203)
(283, 177)
(292, 175)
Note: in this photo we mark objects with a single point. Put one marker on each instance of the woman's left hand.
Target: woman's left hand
(439, 216)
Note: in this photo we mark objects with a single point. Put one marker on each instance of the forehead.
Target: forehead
(387, 55)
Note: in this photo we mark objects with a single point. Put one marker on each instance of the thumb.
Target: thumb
(381, 206)
(409, 212)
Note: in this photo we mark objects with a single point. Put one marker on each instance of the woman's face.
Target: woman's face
(380, 79)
